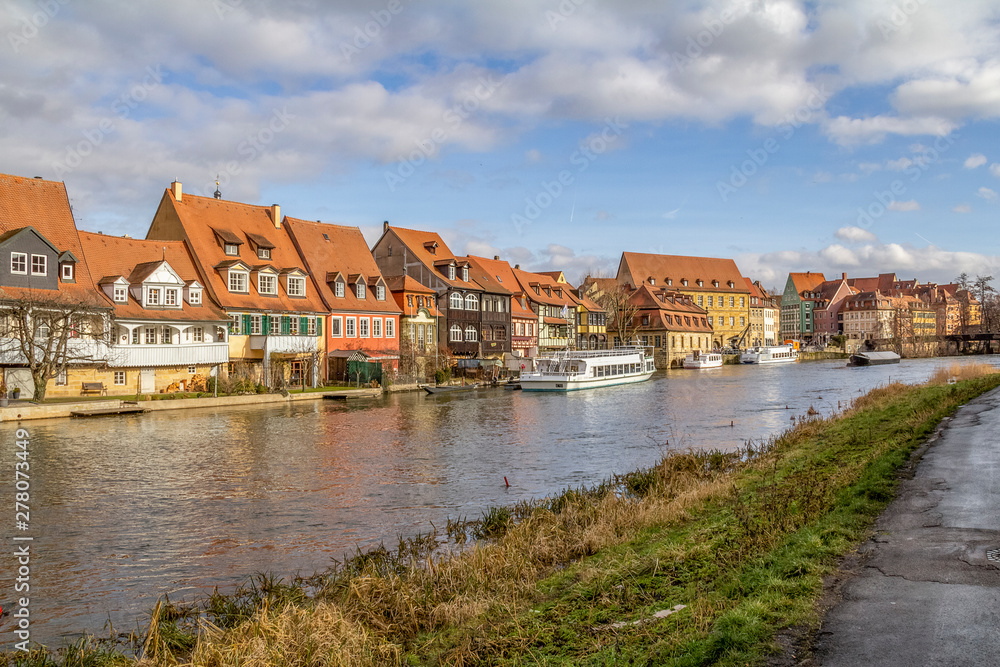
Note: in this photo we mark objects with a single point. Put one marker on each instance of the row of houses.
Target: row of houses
(222, 288)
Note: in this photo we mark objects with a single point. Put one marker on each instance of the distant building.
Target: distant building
(797, 302)
(670, 323)
(763, 316)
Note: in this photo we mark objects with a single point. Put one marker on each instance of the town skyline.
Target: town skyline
(832, 137)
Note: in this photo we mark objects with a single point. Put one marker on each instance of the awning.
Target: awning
(350, 355)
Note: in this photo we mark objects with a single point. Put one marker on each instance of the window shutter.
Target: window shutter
(286, 324)
(246, 325)
(303, 325)
(265, 323)
(319, 326)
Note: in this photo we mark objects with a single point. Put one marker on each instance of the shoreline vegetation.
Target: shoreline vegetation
(705, 558)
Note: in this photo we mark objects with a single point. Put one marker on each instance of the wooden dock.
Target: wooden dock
(105, 412)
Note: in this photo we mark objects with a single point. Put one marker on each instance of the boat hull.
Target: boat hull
(557, 384)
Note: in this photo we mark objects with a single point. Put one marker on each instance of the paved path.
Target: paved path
(927, 594)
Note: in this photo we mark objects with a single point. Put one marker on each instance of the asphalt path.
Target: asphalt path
(927, 591)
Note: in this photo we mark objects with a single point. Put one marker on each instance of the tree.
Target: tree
(617, 303)
(984, 292)
(48, 334)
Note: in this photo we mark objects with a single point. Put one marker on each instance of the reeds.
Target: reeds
(958, 372)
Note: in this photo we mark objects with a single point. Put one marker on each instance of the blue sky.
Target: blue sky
(856, 136)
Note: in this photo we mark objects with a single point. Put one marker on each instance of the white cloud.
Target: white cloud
(899, 165)
(851, 131)
(962, 208)
(975, 160)
(869, 167)
(854, 235)
(987, 194)
(911, 205)
(995, 169)
(533, 156)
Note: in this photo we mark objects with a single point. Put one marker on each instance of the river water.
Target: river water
(126, 509)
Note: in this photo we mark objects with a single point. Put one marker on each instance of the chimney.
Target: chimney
(385, 226)
(517, 266)
(276, 216)
(175, 188)
(496, 257)
(843, 276)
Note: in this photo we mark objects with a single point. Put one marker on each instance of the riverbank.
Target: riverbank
(824, 354)
(25, 411)
(700, 559)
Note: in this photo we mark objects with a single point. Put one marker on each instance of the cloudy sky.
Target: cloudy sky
(857, 136)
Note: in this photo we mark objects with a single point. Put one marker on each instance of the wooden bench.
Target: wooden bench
(90, 387)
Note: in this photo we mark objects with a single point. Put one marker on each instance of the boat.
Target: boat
(873, 358)
(769, 354)
(448, 389)
(699, 359)
(571, 370)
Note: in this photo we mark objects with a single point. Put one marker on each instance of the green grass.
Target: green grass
(741, 539)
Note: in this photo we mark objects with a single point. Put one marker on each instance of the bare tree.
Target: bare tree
(617, 303)
(47, 334)
(984, 292)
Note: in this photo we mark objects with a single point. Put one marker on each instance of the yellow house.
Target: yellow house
(591, 319)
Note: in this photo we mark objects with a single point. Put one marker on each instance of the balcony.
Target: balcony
(283, 344)
(148, 356)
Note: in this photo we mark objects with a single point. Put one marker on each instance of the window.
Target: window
(742, 301)
(61, 377)
(194, 296)
(409, 301)
(471, 302)
(19, 263)
(39, 265)
(312, 326)
(451, 272)
(380, 292)
(710, 300)
(198, 334)
(238, 281)
(234, 324)
(153, 296)
(465, 273)
(170, 297)
(376, 327)
(711, 320)
(135, 336)
(701, 300)
(121, 294)
(361, 290)
(165, 337)
(263, 253)
(349, 331)
(456, 333)
(390, 328)
(255, 325)
(743, 321)
(120, 378)
(267, 284)
(338, 288)
(296, 286)
(293, 326)
(470, 334)
(455, 301)
(150, 335)
(67, 271)
(232, 249)
(732, 321)
(335, 326)
(732, 301)
(363, 327)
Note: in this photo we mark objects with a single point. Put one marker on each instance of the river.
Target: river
(126, 509)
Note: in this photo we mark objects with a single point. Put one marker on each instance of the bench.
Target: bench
(89, 387)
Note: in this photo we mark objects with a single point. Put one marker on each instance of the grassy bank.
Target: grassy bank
(699, 560)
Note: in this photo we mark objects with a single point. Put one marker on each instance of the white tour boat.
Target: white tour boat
(584, 369)
(769, 354)
(699, 359)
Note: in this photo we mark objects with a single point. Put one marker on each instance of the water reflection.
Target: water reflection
(127, 509)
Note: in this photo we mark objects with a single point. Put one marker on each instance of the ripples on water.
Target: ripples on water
(127, 509)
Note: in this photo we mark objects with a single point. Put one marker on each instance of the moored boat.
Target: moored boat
(586, 369)
(699, 359)
(873, 358)
(769, 354)
(448, 389)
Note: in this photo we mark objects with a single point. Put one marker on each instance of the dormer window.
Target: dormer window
(338, 289)
(239, 281)
(652, 280)
(451, 272)
(715, 283)
(121, 294)
(670, 281)
(296, 286)
(465, 273)
(267, 283)
(153, 296)
(194, 297)
(232, 249)
(39, 265)
(170, 297)
(263, 253)
(360, 290)
(66, 272)
(380, 292)
(700, 282)
(684, 282)
(19, 263)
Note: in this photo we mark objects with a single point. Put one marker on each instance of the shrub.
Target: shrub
(442, 375)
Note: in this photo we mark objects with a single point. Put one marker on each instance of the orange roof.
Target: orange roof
(636, 268)
(504, 274)
(201, 217)
(402, 287)
(45, 206)
(406, 284)
(119, 256)
(529, 281)
(806, 282)
(656, 305)
(331, 249)
(417, 243)
(480, 274)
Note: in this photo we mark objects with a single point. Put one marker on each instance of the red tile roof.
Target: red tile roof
(335, 249)
(636, 268)
(417, 243)
(202, 217)
(806, 282)
(44, 205)
(118, 256)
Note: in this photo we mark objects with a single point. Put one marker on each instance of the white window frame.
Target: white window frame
(44, 261)
(263, 253)
(359, 291)
(256, 325)
(390, 327)
(338, 289)
(311, 325)
(471, 335)
(295, 286)
(169, 297)
(455, 335)
(237, 320)
(456, 301)
(293, 325)
(194, 297)
(120, 378)
(336, 327)
(152, 296)
(121, 294)
(67, 271)
(272, 283)
(376, 327)
(364, 327)
(471, 302)
(23, 257)
(351, 327)
(231, 249)
(237, 277)
(380, 292)
(198, 334)
(451, 273)
(465, 274)
(149, 335)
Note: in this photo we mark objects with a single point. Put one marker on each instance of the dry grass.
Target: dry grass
(958, 372)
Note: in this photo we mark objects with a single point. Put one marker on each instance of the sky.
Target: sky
(858, 136)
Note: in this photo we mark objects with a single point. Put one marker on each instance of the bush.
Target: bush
(261, 389)
(442, 375)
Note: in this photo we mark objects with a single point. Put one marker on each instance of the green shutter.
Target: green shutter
(265, 324)
(286, 325)
(303, 326)
(319, 326)
(246, 325)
